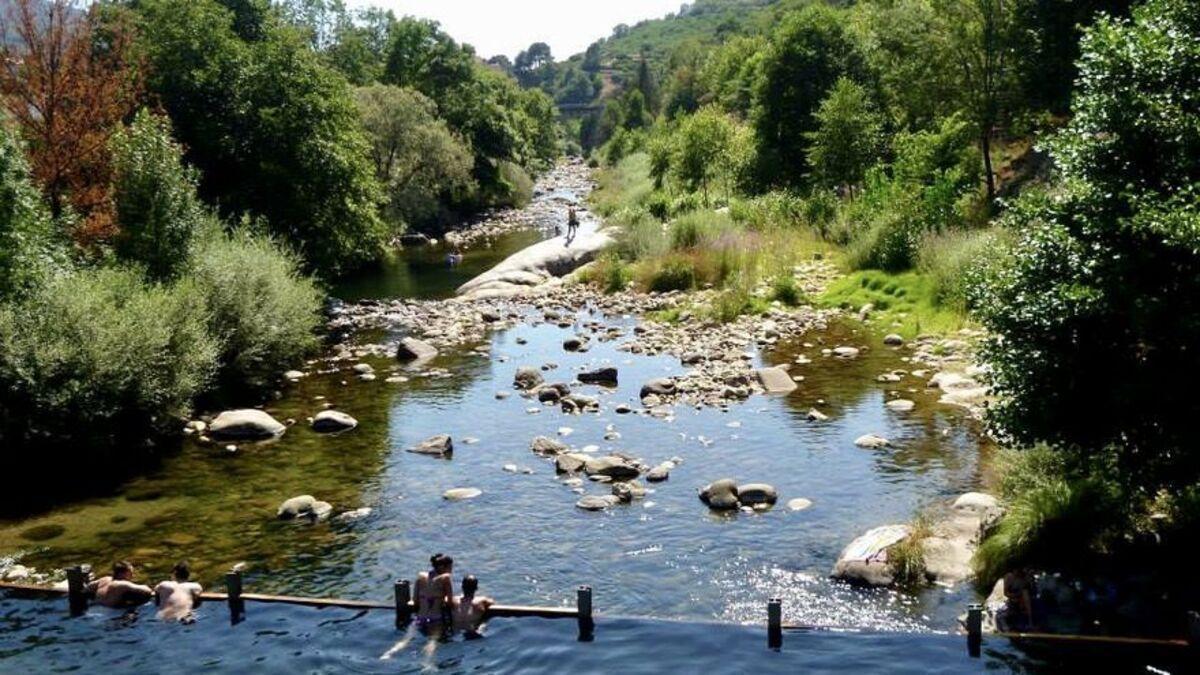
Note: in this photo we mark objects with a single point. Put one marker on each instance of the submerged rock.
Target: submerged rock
(775, 380)
(872, 442)
(799, 504)
(245, 425)
(900, 405)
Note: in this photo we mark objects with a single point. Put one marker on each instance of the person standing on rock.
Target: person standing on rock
(572, 224)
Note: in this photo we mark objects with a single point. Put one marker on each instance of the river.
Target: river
(685, 578)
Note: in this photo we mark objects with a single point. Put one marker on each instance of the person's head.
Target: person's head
(122, 570)
(469, 585)
(181, 571)
(442, 564)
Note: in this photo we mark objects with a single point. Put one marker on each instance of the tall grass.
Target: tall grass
(954, 260)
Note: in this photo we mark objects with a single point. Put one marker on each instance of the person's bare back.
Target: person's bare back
(469, 610)
(119, 590)
(177, 597)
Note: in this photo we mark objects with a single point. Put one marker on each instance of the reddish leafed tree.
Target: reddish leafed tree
(68, 80)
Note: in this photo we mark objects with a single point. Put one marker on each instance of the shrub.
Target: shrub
(785, 290)
(158, 212)
(733, 303)
(29, 249)
(907, 557)
(955, 261)
(517, 185)
(97, 358)
(262, 311)
(640, 237)
(672, 273)
(616, 275)
(700, 229)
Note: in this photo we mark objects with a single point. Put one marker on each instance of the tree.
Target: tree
(274, 132)
(848, 137)
(704, 145)
(30, 251)
(647, 85)
(1096, 313)
(591, 57)
(423, 167)
(158, 211)
(809, 52)
(67, 81)
(635, 116)
(980, 36)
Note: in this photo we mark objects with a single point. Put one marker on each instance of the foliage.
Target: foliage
(274, 131)
(96, 358)
(158, 212)
(676, 272)
(907, 557)
(422, 165)
(261, 311)
(67, 81)
(30, 250)
(848, 137)
(784, 289)
(1103, 284)
(955, 261)
(906, 301)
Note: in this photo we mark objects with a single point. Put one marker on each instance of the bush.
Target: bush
(785, 290)
(733, 303)
(640, 237)
(262, 311)
(158, 212)
(29, 248)
(672, 273)
(957, 260)
(98, 358)
(701, 229)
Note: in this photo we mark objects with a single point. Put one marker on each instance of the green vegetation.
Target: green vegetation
(906, 303)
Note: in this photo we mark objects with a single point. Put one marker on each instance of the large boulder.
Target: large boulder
(245, 425)
(412, 349)
(570, 462)
(527, 378)
(865, 561)
(333, 421)
(606, 376)
(437, 446)
(548, 447)
(775, 380)
(611, 466)
(721, 495)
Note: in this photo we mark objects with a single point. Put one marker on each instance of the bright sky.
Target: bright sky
(509, 26)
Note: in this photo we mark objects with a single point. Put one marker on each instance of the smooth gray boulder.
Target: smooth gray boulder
(754, 494)
(775, 380)
(597, 502)
(245, 425)
(527, 377)
(412, 349)
(292, 508)
(548, 447)
(721, 495)
(438, 446)
(570, 462)
(611, 466)
(578, 403)
(872, 441)
(661, 386)
(660, 473)
(864, 560)
(459, 494)
(606, 375)
(332, 422)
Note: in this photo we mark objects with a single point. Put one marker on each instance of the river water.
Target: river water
(683, 577)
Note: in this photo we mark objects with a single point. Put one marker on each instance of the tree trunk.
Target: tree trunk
(985, 143)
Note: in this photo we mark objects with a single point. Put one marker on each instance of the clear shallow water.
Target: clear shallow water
(38, 637)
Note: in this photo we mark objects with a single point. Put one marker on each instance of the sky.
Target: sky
(509, 26)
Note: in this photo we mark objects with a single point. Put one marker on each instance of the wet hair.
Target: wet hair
(122, 568)
(469, 585)
(444, 563)
(181, 571)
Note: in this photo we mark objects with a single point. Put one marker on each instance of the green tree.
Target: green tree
(704, 150)
(30, 249)
(848, 137)
(809, 52)
(423, 166)
(1096, 313)
(274, 132)
(158, 212)
(647, 84)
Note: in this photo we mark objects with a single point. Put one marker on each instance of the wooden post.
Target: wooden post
(403, 590)
(583, 603)
(237, 606)
(775, 623)
(77, 581)
(974, 629)
(1193, 618)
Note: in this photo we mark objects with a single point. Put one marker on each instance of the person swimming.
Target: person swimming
(118, 590)
(432, 594)
(469, 610)
(178, 597)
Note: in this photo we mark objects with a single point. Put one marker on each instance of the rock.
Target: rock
(490, 315)
(815, 415)
(552, 393)
(662, 386)
(799, 504)
(574, 344)
(611, 466)
(691, 359)
(527, 378)
(607, 376)
(900, 405)
(872, 442)
(721, 495)
(570, 462)
(16, 573)
(412, 349)
(363, 368)
(660, 473)
(548, 447)
(356, 514)
(976, 502)
(245, 425)
(893, 340)
(320, 511)
(332, 421)
(597, 503)
(864, 560)
(622, 409)
(846, 352)
(501, 395)
(578, 403)
(754, 494)
(775, 380)
(439, 446)
(624, 492)
(293, 375)
(459, 494)
(296, 507)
